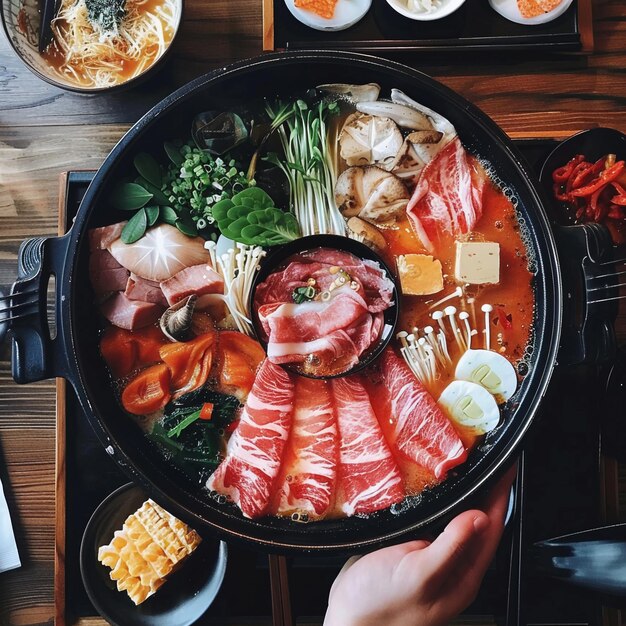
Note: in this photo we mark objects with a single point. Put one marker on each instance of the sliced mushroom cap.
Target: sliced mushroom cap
(402, 115)
(367, 233)
(439, 122)
(366, 139)
(418, 148)
(357, 93)
(372, 194)
(407, 165)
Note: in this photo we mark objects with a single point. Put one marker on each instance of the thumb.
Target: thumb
(452, 549)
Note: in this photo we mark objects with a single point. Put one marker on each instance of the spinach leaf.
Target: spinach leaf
(173, 153)
(136, 227)
(152, 212)
(148, 167)
(250, 217)
(130, 196)
(168, 215)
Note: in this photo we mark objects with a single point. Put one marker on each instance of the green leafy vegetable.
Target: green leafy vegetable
(250, 217)
(173, 153)
(152, 213)
(195, 444)
(187, 421)
(148, 168)
(187, 228)
(130, 196)
(136, 227)
(168, 215)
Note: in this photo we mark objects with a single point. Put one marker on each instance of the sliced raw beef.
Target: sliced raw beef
(130, 314)
(146, 290)
(199, 279)
(102, 238)
(308, 476)
(255, 450)
(283, 322)
(422, 432)
(339, 322)
(106, 273)
(447, 201)
(368, 479)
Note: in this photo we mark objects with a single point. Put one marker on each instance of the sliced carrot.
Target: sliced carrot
(189, 362)
(119, 351)
(206, 412)
(239, 358)
(148, 392)
(149, 341)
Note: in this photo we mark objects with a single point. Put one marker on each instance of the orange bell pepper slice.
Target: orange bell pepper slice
(149, 391)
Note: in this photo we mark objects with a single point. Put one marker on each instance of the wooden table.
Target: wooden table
(44, 131)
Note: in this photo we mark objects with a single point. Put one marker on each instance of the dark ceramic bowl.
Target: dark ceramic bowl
(184, 597)
(276, 259)
(21, 23)
(594, 144)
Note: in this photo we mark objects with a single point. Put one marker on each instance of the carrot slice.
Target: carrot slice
(148, 392)
(189, 362)
(119, 351)
(206, 412)
(239, 358)
(149, 341)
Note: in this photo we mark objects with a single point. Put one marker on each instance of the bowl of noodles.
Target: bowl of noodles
(95, 45)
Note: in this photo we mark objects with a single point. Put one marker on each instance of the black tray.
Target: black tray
(475, 26)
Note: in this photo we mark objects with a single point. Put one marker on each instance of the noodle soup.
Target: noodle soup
(93, 51)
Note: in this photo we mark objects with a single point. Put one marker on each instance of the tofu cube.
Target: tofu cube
(420, 274)
(477, 262)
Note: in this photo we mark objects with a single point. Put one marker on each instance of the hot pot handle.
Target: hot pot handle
(586, 252)
(36, 354)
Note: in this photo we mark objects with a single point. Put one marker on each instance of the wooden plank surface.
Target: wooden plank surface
(44, 131)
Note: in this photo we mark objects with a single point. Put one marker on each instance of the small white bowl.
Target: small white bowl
(509, 10)
(447, 7)
(347, 13)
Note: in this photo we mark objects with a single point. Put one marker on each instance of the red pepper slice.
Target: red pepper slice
(504, 319)
(605, 177)
(621, 200)
(562, 196)
(561, 174)
(595, 204)
(206, 412)
(582, 175)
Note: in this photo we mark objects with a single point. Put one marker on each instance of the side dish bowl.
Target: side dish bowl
(447, 8)
(74, 353)
(21, 24)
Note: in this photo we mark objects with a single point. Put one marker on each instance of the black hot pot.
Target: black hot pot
(73, 352)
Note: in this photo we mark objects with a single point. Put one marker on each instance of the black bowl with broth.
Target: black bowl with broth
(276, 260)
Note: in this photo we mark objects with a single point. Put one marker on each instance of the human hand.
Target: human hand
(420, 583)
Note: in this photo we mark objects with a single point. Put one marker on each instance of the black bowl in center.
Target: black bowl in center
(277, 257)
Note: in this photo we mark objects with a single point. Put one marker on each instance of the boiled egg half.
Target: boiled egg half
(489, 370)
(471, 406)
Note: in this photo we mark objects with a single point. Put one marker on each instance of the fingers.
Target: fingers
(452, 549)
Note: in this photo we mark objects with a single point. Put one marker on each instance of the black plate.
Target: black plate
(278, 256)
(181, 601)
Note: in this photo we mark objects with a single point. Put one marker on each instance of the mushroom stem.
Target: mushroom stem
(487, 309)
